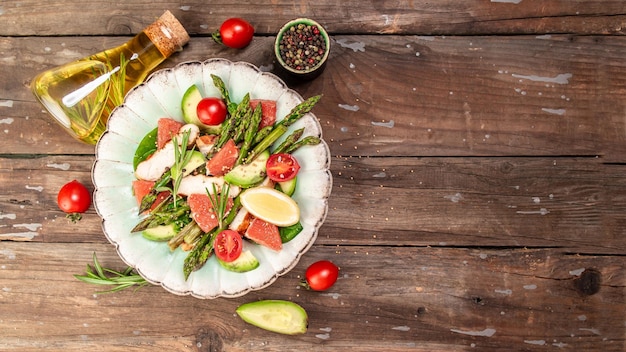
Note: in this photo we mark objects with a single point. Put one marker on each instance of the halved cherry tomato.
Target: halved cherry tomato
(235, 33)
(321, 275)
(228, 245)
(73, 199)
(211, 111)
(282, 167)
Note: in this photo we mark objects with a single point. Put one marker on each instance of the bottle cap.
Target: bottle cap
(168, 34)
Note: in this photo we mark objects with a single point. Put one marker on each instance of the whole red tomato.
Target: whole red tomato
(235, 33)
(211, 111)
(321, 275)
(74, 198)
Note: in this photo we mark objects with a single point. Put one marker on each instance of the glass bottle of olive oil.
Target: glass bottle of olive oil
(81, 95)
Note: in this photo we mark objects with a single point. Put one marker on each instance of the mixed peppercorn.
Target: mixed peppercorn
(302, 47)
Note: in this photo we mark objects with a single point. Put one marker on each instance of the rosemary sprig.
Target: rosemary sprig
(99, 275)
(181, 158)
(118, 82)
(219, 202)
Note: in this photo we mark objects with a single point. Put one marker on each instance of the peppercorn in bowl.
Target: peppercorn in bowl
(302, 47)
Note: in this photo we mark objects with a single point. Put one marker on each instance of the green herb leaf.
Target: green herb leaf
(99, 275)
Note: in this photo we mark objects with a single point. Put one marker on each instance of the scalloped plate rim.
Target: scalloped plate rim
(265, 282)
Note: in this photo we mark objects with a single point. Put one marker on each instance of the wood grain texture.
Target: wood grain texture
(404, 96)
(478, 161)
(563, 203)
(471, 17)
(439, 306)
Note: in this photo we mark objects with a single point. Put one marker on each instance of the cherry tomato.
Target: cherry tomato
(321, 275)
(228, 245)
(211, 111)
(235, 33)
(282, 167)
(73, 197)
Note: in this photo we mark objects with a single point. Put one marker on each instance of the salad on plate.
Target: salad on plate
(140, 161)
(222, 179)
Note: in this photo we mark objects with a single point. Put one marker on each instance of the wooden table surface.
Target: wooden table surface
(479, 197)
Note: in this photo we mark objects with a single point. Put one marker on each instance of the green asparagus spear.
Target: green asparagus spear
(221, 86)
(150, 198)
(278, 131)
(299, 110)
(167, 215)
(290, 140)
(233, 123)
(263, 132)
(281, 127)
(309, 140)
(191, 230)
(244, 113)
(252, 129)
(198, 256)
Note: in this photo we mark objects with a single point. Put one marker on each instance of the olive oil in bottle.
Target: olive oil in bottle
(81, 95)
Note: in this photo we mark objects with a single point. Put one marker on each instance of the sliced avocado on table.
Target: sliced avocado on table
(283, 317)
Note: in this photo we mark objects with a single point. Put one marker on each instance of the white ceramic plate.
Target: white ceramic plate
(159, 96)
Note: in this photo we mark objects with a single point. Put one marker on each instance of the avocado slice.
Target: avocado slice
(287, 187)
(190, 101)
(248, 175)
(160, 233)
(279, 316)
(196, 160)
(245, 262)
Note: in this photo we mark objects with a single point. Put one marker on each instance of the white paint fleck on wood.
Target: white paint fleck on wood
(401, 328)
(562, 78)
(64, 166)
(35, 188)
(535, 342)
(554, 111)
(389, 124)
(577, 272)
(487, 332)
(454, 198)
(355, 46)
(349, 107)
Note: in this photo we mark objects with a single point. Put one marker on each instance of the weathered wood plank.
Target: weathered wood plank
(433, 300)
(390, 95)
(388, 17)
(573, 204)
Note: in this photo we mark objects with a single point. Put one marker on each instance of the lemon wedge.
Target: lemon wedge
(271, 205)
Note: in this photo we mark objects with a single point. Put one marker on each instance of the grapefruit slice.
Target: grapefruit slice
(202, 211)
(142, 187)
(265, 234)
(224, 160)
(268, 111)
(167, 128)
